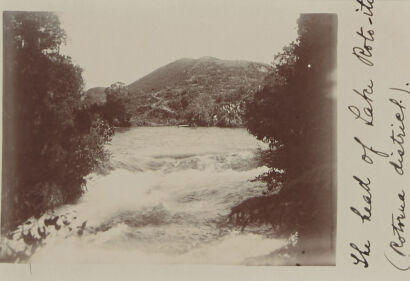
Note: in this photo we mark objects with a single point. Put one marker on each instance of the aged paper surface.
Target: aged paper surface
(373, 99)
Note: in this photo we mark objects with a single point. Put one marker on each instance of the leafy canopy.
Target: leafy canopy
(294, 114)
(50, 141)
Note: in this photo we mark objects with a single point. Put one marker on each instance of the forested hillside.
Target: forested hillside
(198, 92)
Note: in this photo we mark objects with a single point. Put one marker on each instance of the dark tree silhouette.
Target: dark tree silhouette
(50, 142)
(294, 113)
(116, 110)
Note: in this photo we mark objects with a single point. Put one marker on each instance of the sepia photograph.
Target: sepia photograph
(175, 134)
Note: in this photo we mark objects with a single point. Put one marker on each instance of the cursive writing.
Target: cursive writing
(365, 157)
(364, 112)
(366, 8)
(367, 115)
(362, 253)
(398, 244)
(364, 52)
(398, 138)
(367, 199)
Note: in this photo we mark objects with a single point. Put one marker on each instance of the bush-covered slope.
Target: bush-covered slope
(199, 92)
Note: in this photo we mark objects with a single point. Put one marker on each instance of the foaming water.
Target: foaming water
(166, 200)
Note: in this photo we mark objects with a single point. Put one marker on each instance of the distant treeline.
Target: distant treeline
(170, 107)
(294, 113)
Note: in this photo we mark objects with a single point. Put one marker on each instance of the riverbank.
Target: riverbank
(175, 123)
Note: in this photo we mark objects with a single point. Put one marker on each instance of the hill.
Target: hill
(95, 96)
(199, 92)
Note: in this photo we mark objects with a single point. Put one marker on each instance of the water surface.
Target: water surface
(166, 200)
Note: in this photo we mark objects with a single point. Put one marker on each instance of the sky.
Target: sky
(124, 43)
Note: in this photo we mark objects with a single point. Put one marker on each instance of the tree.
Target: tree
(199, 111)
(294, 114)
(116, 109)
(50, 141)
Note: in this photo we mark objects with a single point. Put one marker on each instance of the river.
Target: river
(165, 200)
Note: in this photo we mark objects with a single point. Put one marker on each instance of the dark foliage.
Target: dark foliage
(116, 110)
(50, 141)
(294, 113)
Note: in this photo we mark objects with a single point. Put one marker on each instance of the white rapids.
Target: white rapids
(166, 200)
